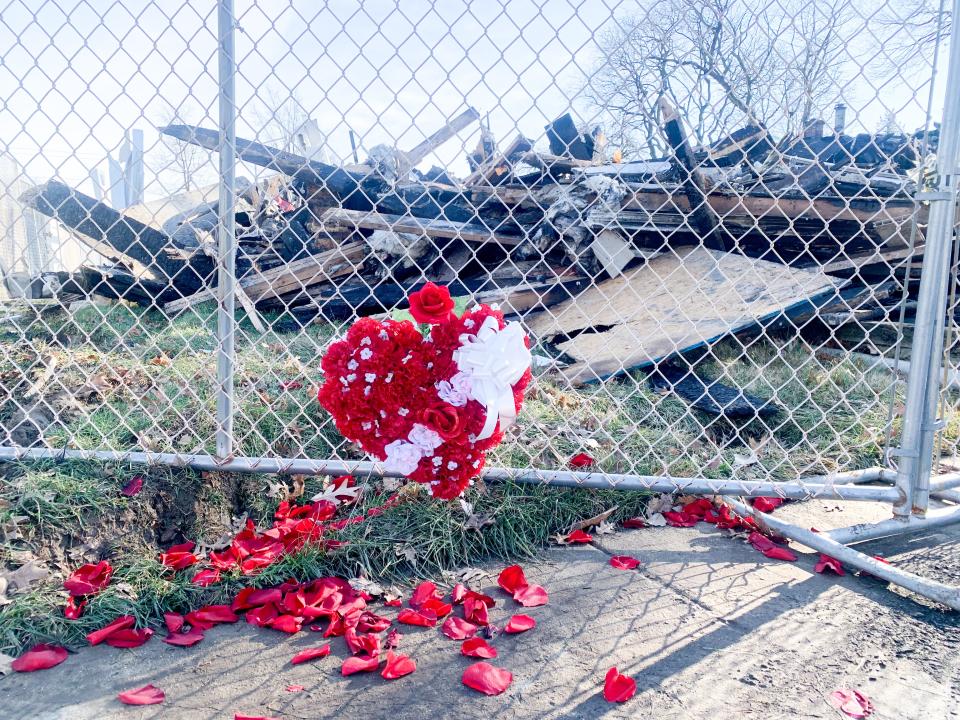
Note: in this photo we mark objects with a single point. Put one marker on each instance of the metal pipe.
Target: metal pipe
(798, 490)
(936, 270)
(895, 526)
(946, 594)
(945, 482)
(226, 231)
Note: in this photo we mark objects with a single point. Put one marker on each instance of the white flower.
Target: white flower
(353, 365)
(366, 354)
(370, 377)
(455, 391)
(366, 391)
(366, 425)
(425, 438)
(388, 378)
(366, 341)
(402, 457)
(437, 461)
(383, 335)
(452, 465)
(351, 377)
(403, 412)
(468, 323)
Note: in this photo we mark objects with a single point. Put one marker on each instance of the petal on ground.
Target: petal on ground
(310, 654)
(357, 664)
(512, 579)
(397, 666)
(457, 628)
(484, 677)
(39, 657)
(121, 623)
(478, 647)
(147, 695)
(519, 624)
(851, 702)
(624, 562)
(618, 687)
(531, 596)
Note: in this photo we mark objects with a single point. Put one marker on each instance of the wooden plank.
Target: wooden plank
(673, 303)
(471, 232)
(501, 163)
(318, 268)
(129, 237)
(412, 157)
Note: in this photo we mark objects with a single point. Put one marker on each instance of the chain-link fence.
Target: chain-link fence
(711, 217)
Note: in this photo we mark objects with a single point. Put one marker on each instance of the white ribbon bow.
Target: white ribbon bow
(494, 360)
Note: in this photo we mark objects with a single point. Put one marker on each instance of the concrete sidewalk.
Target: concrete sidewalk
(707, 626)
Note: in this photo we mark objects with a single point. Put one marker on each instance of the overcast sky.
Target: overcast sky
(75, 74)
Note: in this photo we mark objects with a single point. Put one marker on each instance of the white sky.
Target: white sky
(74, 74)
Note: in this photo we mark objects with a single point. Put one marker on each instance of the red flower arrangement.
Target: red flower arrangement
(428, 406)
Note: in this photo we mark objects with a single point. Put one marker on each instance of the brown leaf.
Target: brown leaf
(21, 578)
(595, 520)
(161, 360)
(478, 522)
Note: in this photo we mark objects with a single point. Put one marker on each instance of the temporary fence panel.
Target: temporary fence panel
(728, 227)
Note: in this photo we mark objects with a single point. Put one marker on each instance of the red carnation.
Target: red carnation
(444, 419)
(431, 304)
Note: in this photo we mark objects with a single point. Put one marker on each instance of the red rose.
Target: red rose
(443, 419)
(431, 304)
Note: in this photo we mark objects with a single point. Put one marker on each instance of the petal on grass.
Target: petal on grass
(484, 677)
(121, 623)
(478, 647)
(618, 687)
(147, 695)
(128, 637)
(39, 657)
(89, 579)
(310, 654)
(397, 666)
(519, 624)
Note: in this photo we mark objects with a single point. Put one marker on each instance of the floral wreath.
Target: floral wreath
(428, 404)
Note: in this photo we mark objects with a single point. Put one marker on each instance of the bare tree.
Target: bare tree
(722, 63)
(180, 166)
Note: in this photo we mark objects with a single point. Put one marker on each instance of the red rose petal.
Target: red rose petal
(458, 629)
(512, 579)
(393, 639)
(478, 647)
(531, 596)
(252, 598)
(423, 592)
(147, 695)
(484, 677)
(179, 557)
(241, 716)
(128, 637)
(121, 623)
(851, 702)
(173, 621)
(397, 666)
(425, 618)
(89, 579)
(780, 553)
(206, 577)
(294, 688)
(186, 639)
(827, 563)
(357, 664)
(458, 593)
(582, 460)
(310, 654)
(579, 536)
(679, 519)
(624, 562)
(40, 657)
(286, 623)
(635, 523)
(133, 487)
(617, 687)
(767, 504)
(519, 624)
(73, 609)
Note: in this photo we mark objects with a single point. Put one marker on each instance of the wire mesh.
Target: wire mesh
(708, 215)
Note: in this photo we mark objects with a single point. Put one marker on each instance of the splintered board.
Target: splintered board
(675, 302)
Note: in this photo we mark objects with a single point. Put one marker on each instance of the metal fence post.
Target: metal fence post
(923, 383)
(227, 242)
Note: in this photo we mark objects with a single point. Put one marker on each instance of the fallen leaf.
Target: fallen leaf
(851, 702)
(595, 520)
(624, 562)
(161, 360)
(484, 677)
(617, 687)
(519, 624)
(656, 520)
(147, 695)
(6, 664)
(25, 575)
